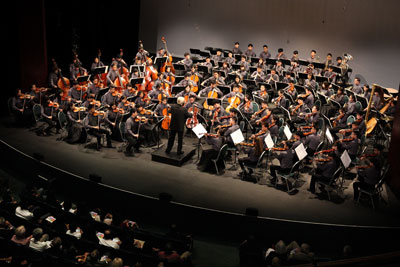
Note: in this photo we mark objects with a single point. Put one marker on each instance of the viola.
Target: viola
(53, 104)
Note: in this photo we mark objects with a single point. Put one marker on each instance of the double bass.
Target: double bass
(63, 83)
(151, 74)
(168, 62)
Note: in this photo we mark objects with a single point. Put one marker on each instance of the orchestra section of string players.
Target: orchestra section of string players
(224, 90)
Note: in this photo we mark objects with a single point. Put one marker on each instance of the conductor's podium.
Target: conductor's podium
(173, 158)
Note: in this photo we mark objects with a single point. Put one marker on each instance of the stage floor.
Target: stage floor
(189, 186)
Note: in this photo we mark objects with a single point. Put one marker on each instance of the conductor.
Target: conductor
(178, 118)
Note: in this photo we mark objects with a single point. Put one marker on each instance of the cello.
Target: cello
(212, 94)
(193, 121)
(63, 83)
(167, 119)
(234, 102)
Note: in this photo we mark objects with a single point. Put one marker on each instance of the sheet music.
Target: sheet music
(199, 130)
(329, 135)
(300, 151)
(237, 136)
(345, 158)
(287, 132)
(269, 142)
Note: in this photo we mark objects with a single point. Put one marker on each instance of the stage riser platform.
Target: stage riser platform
(173, 158)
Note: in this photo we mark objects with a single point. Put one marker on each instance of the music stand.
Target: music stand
(135, 81)
(281, 85)
(204, 54)
(285, 61)
(270, 61)
(140, 69)
(203, 69)
(224, 89)
(239, 57)
(249, 83)
(322, 98)
(157, 126)
(179, 67)
(235, 67)
(82, 79)
(362, 100)
(100, 70)
(172, 100)
(254, 60)
(243, 117)
(159, 61)
(319, 65)
(303, 62)
(194, 51)
(199, 131)
(336, 69)
(176, 89)
(327, 120)
(178, 79)
(286, 113)
(321, 79)
(335, 103)
(302, 75)
(300, 89)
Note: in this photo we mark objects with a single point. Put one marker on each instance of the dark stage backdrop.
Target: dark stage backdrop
(367, 29)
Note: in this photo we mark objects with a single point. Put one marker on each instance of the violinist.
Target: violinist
(253, 153)
(112, 118)
(308, 98)
(313, 117)
(130, 92)
(205, 163)
(218, 116)
(279, 102)
(125, 106)
(246, 107)
(233, 126)
(92, 123)
(147, 130)
(49, 116)
(75, 116)
(36, 95)
(311, 141)
(273, 127)
(367, 178)
(96, 64)
(110, 98)
(90, 101)
(324, 171)
(351, 144)
(299, 110)
(262, 93)
(132, 134)
(75, 92)
(21, 109)
(264, 114)
(142, 99)
(286, 161)
(94, 87)
(262, 133)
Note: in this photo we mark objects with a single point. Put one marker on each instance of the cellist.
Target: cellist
(212, 88)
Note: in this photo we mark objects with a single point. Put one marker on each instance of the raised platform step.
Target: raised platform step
(173, 158)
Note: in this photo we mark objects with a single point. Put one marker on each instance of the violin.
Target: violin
(248, 144)
(325, 151)
(119, 110)
(294, 111)
(78, 109)
(368, 156)
(116, 93)
(99, 113)
(261, 132)
(141, 119)
(53, 104)
(257, 113)
(25, 96)
(337, 119)
(95, 103)
(219, 127)
(345, 140)
(326, 159)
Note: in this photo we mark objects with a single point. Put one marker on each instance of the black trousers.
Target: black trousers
(274, 168)
(315, 178)
(246, 160)
(132, 142)
(99, 133)
(361, 185)
(171, 140)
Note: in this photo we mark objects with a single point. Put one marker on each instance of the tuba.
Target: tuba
(344, 67)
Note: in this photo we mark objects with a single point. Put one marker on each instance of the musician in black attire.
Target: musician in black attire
(324, 171)
(286, 160)
(178, 118)
(21, 108)
(92, 123)
(48, 115)
(253, 153)
(132, 135)
(74, 124)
